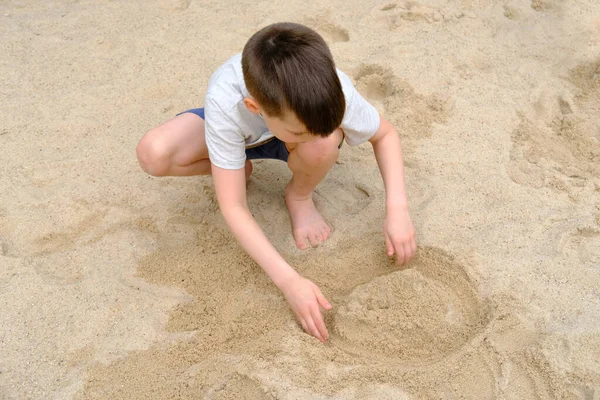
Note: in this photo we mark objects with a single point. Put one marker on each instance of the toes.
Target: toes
(305, 238)
(314, 239)
(321, 235)
(300, 240)
(326, 232)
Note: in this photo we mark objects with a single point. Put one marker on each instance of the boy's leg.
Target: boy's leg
(177, 148)
(309, 163)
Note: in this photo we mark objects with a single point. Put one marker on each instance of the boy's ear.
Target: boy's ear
(251, 105)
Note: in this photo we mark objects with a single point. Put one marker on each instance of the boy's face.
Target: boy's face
(286, 128)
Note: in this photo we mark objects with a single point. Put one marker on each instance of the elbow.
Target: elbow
(233, 211)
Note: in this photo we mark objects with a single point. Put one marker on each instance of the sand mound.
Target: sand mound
(421, 314)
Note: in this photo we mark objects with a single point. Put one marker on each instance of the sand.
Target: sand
(114, 284)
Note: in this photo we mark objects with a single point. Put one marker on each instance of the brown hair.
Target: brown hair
(288, 66)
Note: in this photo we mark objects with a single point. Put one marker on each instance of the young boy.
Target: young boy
(282, 98)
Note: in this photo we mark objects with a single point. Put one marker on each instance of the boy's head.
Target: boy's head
(290, 74)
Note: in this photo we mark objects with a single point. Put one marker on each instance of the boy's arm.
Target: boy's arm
(303, 296)
(398, 228)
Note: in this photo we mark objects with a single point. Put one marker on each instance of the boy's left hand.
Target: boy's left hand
(399, 235)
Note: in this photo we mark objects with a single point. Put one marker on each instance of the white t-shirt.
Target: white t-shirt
(230, 127)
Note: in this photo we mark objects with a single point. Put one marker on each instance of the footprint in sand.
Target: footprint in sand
(60, 252)
(562, 151)
(347, 199)
(398, 15)
(58, 256)
(412, 114)
(584, 243)
(415, 316)
(511, 13)
(545, 5)
(331, 32)
(573, 235)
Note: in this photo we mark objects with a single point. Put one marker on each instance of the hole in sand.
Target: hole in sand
(374, 82)
(335, 34)
(418, 315)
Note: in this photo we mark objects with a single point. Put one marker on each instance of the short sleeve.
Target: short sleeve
(224, 140)
(361, 119)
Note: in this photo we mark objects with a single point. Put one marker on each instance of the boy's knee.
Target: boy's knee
(152, 157)
(323, 150)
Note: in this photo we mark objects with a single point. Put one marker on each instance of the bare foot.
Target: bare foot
(307, 222)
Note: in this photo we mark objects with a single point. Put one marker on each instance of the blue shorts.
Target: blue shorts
(273, 148)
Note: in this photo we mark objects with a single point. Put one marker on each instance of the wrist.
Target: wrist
(284, 280)
(396, 207)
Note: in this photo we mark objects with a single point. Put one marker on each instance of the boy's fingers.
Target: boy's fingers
(301, 242)
(388, 245)
(322, 300)
(401, 258)
(312, 238)
(408, 253)
(313, 329)
(304, 325)
(318, 318)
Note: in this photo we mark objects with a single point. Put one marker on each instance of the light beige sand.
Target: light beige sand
(116, 285)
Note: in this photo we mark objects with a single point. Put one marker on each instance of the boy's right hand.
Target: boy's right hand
(305, 299)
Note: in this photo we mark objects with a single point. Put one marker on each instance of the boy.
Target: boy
(282, 98)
